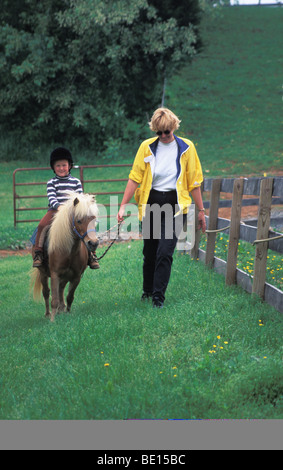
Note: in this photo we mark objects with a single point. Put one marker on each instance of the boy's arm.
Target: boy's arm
(51, 194)
(79, 188)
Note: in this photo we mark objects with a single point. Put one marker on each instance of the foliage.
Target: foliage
(81, 68)
(185, 12)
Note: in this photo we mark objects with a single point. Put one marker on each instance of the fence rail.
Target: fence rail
(262, 192)
(82, 171)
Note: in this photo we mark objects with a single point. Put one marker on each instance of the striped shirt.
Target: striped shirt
(57, 188)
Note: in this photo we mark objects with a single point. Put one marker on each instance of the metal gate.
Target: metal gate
(18, 199)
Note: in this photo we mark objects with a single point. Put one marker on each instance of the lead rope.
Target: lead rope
(113, 241)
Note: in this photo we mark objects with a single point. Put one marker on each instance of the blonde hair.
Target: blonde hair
(163, 119)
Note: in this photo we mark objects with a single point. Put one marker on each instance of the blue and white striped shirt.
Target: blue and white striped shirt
(57, 188)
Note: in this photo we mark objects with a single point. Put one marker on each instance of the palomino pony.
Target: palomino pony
(71, 236)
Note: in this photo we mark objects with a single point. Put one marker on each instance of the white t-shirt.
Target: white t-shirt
(165, 173)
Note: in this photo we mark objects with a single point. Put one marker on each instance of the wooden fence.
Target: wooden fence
(267, 192)
(262, 192)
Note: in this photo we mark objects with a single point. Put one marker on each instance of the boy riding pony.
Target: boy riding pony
(61, 162)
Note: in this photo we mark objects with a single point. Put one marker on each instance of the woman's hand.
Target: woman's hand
(121, 214)
(197, 197)
(129, 192)
(201, 221)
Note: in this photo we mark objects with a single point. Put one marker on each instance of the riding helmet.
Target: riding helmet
(61, 153)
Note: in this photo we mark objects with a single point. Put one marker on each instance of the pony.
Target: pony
(71, 237)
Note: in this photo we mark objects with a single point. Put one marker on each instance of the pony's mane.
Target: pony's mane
(61, 235)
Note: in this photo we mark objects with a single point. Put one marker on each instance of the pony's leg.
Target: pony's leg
(71, 294)
(62, 305)
(55, 295)
(46, 293)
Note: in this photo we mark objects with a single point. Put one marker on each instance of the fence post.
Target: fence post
(264, 212)
(234, 231)
(14, 199)
(82, 176)
(212, 224)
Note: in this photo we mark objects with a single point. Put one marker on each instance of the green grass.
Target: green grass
(212, 352)
(230, 97)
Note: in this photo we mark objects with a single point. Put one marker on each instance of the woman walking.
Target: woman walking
(165, 172)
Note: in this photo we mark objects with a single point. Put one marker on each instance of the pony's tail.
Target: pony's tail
(36, 285)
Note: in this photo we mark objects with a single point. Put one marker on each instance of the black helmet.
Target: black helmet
(61, 153)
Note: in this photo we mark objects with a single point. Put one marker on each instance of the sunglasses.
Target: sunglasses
(159, 133)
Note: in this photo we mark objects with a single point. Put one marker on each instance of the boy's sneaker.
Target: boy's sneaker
(93, 263)
(38, 259)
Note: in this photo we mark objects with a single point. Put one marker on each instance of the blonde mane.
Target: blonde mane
(61, 235)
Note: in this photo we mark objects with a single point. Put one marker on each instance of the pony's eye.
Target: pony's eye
(79, 222)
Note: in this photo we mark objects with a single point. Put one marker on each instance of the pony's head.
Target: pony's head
(75, 219)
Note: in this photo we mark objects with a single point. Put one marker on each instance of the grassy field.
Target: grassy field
(211, 352)
(230, 97)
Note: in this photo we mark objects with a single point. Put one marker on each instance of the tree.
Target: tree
(83, 68)
(186, 12)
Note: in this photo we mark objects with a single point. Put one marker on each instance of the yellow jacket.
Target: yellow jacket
(188, 171)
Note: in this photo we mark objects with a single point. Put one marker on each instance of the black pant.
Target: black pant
(160, 241)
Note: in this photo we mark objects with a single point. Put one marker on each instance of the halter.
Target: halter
(82, 237)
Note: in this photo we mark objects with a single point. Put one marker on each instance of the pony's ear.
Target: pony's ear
(76, 202)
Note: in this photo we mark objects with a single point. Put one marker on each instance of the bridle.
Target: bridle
(82, 237)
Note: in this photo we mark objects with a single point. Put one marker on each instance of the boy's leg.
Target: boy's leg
(39, 242)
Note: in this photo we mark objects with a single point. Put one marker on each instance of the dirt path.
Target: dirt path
(7, 253)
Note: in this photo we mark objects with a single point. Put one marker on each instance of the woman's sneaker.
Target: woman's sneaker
(157, 303)
(146, 296)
